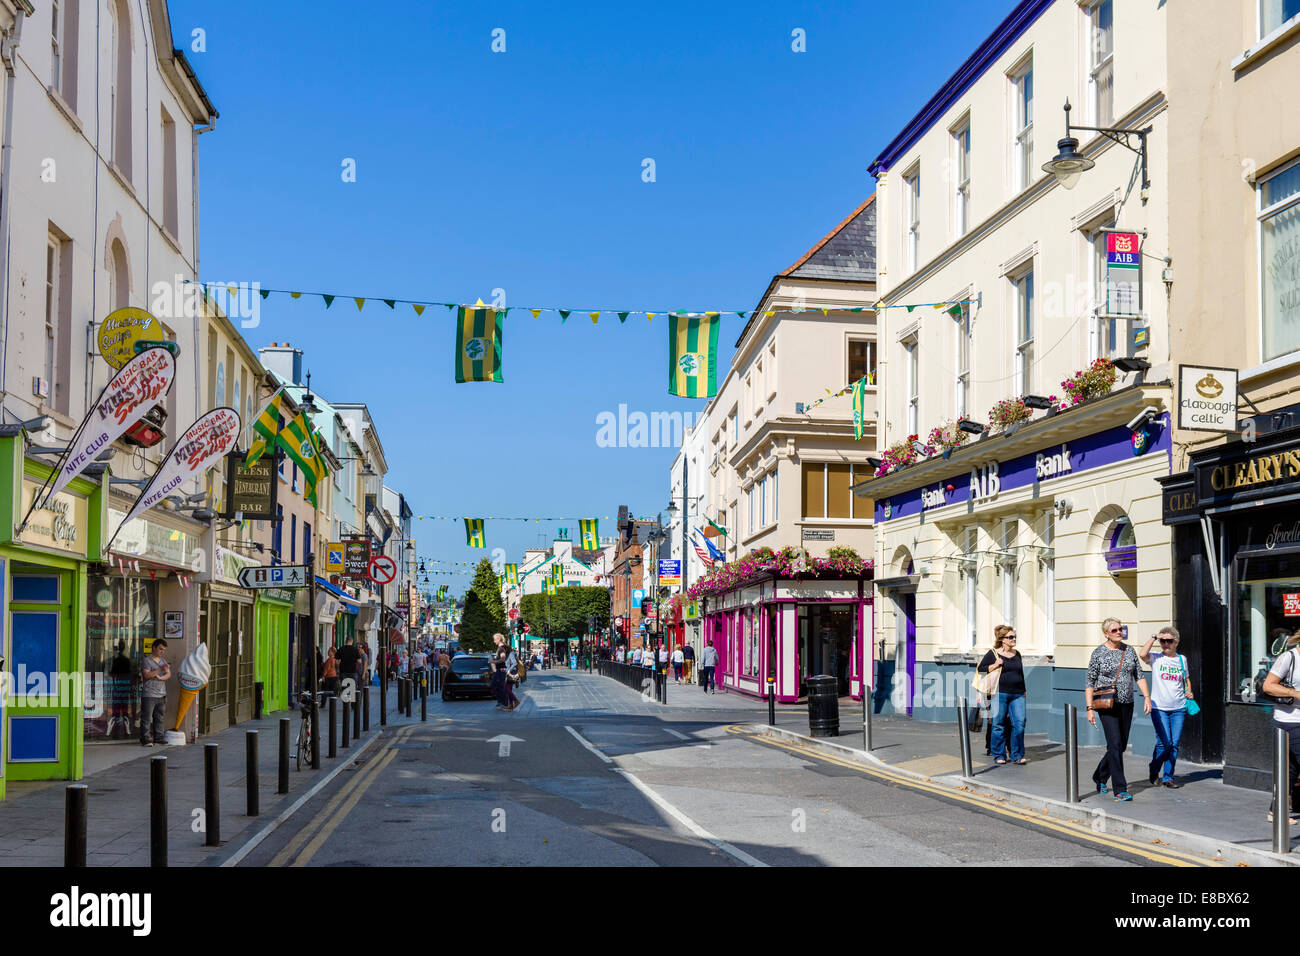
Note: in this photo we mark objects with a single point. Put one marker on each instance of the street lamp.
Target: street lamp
(1067, 165)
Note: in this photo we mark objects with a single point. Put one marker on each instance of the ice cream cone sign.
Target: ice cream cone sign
(195, 671)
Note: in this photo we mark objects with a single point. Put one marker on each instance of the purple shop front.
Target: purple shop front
(792, 628)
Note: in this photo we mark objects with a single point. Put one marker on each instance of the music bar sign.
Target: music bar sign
(1207, 398)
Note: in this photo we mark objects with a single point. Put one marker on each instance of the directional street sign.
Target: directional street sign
(283, 576)
(383, 569)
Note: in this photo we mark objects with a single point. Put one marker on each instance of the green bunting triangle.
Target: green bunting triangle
(391, 303)
(622, 316)
(910, 308)
(955, 312)
(265, 292)
(564, 314)
(742, 314)
(329, 300)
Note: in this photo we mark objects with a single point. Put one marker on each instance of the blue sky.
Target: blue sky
(522, 171)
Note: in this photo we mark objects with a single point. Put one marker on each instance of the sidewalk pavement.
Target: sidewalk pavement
(1203, 814)
(117, 832)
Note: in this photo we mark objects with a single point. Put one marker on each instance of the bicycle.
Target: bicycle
(304, 730)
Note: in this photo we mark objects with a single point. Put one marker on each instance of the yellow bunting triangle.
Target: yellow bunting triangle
(536, 312)
(232, 289)
(295, 295)
(649, 316)
(823, 311)
(594, 317)
(768, 314)
(359, 302)
(480, 304)
(419, 309)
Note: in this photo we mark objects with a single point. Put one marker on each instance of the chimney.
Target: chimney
(283, 360)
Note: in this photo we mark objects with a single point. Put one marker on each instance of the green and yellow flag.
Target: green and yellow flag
(300, 440)
(693, 354)
(557, 573)
(512, 575)
(478, 344)
(589, 534)
(859, 406)
(474, 536)
(266, 427)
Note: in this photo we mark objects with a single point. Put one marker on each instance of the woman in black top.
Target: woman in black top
(1009, 702)
(1114, 664)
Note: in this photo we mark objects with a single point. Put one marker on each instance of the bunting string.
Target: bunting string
(420, 305)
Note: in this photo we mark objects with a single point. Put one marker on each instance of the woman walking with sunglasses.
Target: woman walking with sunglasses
(1171, 690)
(1113, 669)
(1007, 666)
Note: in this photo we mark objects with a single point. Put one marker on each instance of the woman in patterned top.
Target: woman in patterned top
(1114, 662)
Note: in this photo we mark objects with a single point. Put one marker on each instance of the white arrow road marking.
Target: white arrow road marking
(505, 740)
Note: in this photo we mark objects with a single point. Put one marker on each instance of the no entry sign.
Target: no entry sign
(383, 569)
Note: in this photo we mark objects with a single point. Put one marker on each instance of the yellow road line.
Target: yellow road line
(1078, 831)
(326, 831)
(303, 835)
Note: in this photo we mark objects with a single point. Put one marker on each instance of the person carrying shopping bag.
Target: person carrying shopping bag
(1171, 702)
(1006, 668)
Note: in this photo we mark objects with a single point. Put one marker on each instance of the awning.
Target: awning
(347, 603)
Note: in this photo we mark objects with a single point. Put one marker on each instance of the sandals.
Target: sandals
(1022, 761)
(999, 761)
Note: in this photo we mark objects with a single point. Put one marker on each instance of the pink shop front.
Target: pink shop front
(797, 628)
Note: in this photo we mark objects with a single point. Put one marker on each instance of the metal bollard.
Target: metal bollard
(383, 703)
(158, 811)
(1071, 753)
(365, 708)
(74, 826)
(356, 716)
(1281, 792)
(334, 728)
(410, 695)
(250, 773)
(771, 701)
(424, 701)
(285, 730)
(868, 698)
(347, 725)
(963, 712)
(211, 796)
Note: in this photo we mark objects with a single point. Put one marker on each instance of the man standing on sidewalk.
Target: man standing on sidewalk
(708, 661)
(153, 694)
(349, 657)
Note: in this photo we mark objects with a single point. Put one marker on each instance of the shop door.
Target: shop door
(44, 715)
(905, 652)
(243, 655)
(214, 629)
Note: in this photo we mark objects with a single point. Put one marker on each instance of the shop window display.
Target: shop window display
(121, 618)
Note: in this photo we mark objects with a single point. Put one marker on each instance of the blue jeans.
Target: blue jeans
(1169, 728)
(1012, 705)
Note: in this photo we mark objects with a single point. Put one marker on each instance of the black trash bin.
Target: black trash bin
(823, 706)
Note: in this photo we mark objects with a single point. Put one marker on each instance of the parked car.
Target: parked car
(470, 676)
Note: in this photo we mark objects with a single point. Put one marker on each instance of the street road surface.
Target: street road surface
(588, 773)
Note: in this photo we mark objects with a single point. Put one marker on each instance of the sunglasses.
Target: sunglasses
(1166, 640)
(1114, 630)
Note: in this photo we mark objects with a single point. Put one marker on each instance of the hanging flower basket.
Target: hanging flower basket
(1008, 412)
(1092, 382)
(903, 453)
(946, 437)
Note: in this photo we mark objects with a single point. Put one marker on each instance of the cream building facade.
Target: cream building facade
(1052, 524)
(1235, 301)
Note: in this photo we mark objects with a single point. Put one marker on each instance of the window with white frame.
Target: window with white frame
(961, 177)
(862, 360)
(912, 210)
(1008, 561)
(735, 427)
(1022, 91)
(1104, 334)
(776, 509)
(1101, 66)
(913, 349)
(1274, 13)
(53, 261)
(970, 580)
(119, 96)
(1279, 243)
(171, 196)
(771, 370)
(762, 502)
(962, 335)
(749, 500)
(1024, 297)
(56, 45)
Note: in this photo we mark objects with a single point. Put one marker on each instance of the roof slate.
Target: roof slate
(847, 252)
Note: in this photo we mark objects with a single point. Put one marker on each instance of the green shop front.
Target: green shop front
(43, 580)
(272, 610)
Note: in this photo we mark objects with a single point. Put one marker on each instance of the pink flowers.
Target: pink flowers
(903, 453)
(946, 436)
(786, 563)
(1097, 379)
(1008, 412)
